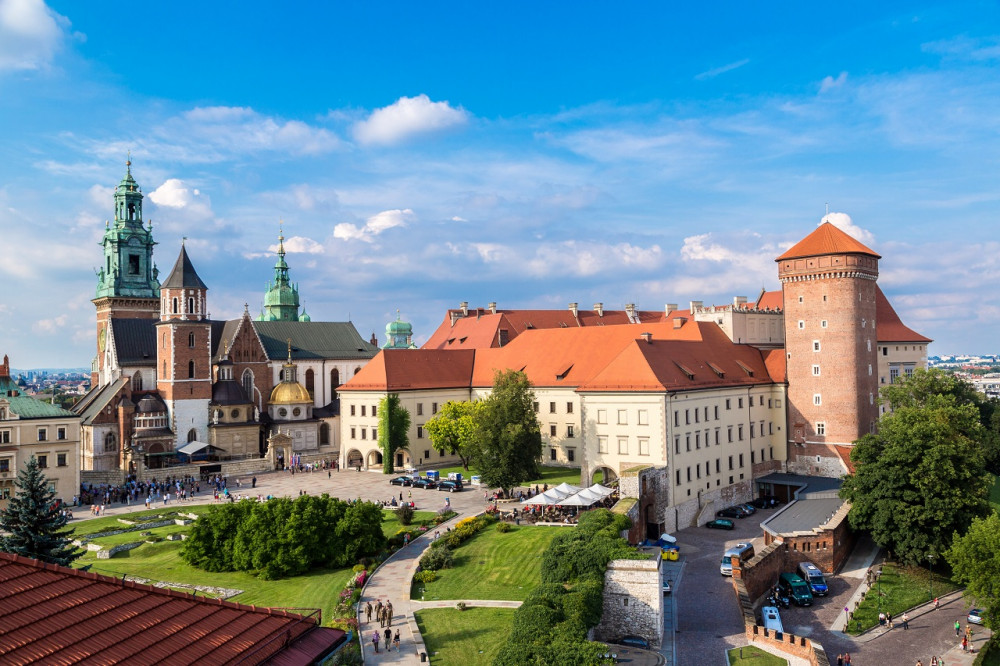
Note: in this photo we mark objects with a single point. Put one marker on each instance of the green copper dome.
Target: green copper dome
(281, 300)
(398, 334)
(128, 268)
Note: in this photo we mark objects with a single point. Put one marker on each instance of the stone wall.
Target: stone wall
(650, 486)
(229, 469)
(633, 601)
(112, 477)
(790, 644)
(695, 511)
(111, 552)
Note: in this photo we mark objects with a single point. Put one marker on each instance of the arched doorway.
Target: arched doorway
(604, 476)
(374, 458)
(354, 458)
(652, 525)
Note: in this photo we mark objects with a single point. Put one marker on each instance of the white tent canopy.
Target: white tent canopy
(583, 498)
(603, 491)
(567, 488)
(549, 497)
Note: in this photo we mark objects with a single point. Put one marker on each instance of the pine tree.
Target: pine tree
(33, 521)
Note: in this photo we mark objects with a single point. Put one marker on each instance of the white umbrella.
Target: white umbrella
(566, 488)
(603, 491)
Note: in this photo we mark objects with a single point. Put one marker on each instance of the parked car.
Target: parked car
(766, 501)
(426, 484)
(668, 586)
(744, 550)
(796, 588)
(450, 485)
(748, 507)
(401, 481)
(771, 619)
(720, 524)
(976, 616)
(634, 641)
(817, 582)
(729, 512)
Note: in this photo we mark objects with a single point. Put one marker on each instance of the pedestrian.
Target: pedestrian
(406, 539)
(253, 482)
(888, 619)
(920, 663)
(840, 659)
(388, 615)
(388, 638)
(936, 603)
(375, 640)
(847, 659)
(934, 661)
(400, 496)
(368, 612)
(958, 628)
(881, 620)
(395, 640)
(965, 644)
(906, 621)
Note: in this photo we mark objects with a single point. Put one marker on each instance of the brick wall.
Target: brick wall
(633, 601)
(762, 570)
(790, 644)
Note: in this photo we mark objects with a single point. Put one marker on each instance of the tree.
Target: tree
(510, 443)
(34, 521)
(920, 478)
(393, 426)
(455, 429)
(975, 560)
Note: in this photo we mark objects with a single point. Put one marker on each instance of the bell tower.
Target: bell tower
(281, 300)
(184, 351)
(828, 284)
(127, 284)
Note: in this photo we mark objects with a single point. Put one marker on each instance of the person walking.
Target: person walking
(840, 659)
(936, 604)
(368, 612)
(395, 640)
(375, 638)
(906, 621)
(847, 659)
(958, 628)
(388, 638)
(388, 615)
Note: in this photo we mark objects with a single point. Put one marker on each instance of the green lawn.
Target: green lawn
(492, 565)
(901, 588)
(995, 494)
(464, 638)
(550, 475)
(754, 656)
(390, 525)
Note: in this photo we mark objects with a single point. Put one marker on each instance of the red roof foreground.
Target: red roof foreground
(826, 239)
(57, 615)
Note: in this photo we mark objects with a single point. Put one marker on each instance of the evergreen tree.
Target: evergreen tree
(33, 521)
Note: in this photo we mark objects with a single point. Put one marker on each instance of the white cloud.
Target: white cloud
(299, 244)
(176, 195)
(966, 48)
(406, 117)
(50, 325)
(843, 222)
(374, 226)
(829, 83)
(456, 218)
(572, 258)
(712, 73)
(30, 34)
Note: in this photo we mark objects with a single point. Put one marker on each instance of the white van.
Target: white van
(812, 575)
(772, 619)
(743, 549)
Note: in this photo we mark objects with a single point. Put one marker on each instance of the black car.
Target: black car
(451, 486)
(401, 481)
(720, 524)
(426, 484)
(766, 502)
(634, 641)
(730, 512)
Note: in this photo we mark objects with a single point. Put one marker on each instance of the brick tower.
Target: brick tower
(828, 284)
(184, 352)
(127, 285)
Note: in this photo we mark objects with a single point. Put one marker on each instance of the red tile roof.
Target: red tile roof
(410, 369)
(889, 327)
(826, 239)
(57, 615)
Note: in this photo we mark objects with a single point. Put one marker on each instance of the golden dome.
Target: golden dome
(289, 393)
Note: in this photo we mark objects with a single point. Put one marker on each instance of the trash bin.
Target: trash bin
(423, 657)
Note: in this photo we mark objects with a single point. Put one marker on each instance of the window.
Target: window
(869, 369)
(687, 442)
(535, 404)
(364, 409)
(569, 407)
(730, 464)
(571, 455)
(60, 460)
(822, 324)
(4, 436)
(741, 460)
(190, 369)
(420, 409)
(4, 464)
(434, 409)
(43, 434)
(753, 431)
(893, 375)
(602, 416)
(427, 454)
(697, 440)
(820, 428)
(602, 444)
(730, 432)
(133, 264)
(815, 345)
(687, 417)
(739, 431)
(352, 410)
(718, 465)
(802, 324)
(817, 399)
(552, 430)
(643, 446)
(622, 417)
(623, 445)
(885, 351)
(697, 471)
(60, 433)
(696, 418)
(569, 430)
(689, 474)
(800, 299)
(678, 477)
(420, 432)
(374, 410)
(677, 444)
(728, 404)
(552, 454)
(753, 457)
(374, 433)
(190, 305)
(706, 413)
(643, 417)
(815, 371)
(677, 421)
(552, 408)
(739, 403)
(716, 412)
(869, 345)
(43, 461)
(353, 433)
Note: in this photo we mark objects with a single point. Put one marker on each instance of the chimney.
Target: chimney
(464, 305)
(739, 300)
(647, 337)
(679, 321)
(573, 308)
(630, 311)
(599, 309)
(493, 307)
(696, 305)
(671, 307)
(454, 316)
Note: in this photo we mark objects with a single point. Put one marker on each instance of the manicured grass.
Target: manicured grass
(492, 565)
(901, 588)
(464, 638)
(391, 525)
(754, 656)
(109, 523)
(549, 474)
(995, 494)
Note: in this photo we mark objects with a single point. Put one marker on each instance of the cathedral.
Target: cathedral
(169, 385)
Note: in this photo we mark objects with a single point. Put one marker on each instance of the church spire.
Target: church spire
(281, 301)
(128, 269)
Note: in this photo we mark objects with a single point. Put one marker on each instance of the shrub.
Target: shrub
(503, 528)
(357, 568)
(425, 576)
(404, 514)
(437, 558)
(460, 605)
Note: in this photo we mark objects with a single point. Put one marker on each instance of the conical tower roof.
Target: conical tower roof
(827, 239)
(183, 276)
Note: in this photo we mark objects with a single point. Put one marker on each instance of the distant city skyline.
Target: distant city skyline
(527, 155)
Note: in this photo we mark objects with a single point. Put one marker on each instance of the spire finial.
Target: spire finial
(183, 238)
(397, 314)
(289, 340)
(827, 207)
(128, 162)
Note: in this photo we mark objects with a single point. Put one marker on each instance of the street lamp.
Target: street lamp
(930, 581)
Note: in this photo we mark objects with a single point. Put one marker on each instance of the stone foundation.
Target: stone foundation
(633, 601)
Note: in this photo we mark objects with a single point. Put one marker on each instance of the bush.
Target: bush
(404, 514)
(437, 558)
(425, 576)
(503, 528)
(461, 606)
(358, 568)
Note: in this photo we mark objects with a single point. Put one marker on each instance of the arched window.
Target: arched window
(164, 340)
(175, 305)
(190, 369)
(137, 381)
(334, 382)
(110, 442)
(310, 382)
(190, 305)
(190, 339)
(324, 433)
(247, 381)
(3, 413)
(192, 435)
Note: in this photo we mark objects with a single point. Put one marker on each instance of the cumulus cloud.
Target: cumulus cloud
(30, 34)
(829, 83)
(843, 222)
(50, 325)
(406, 117)
(374, 226)
(569, 258)
(299, 244)
(175, 194)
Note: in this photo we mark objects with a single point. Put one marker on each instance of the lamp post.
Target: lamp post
(930, 580)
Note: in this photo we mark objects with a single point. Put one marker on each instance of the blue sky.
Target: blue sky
(532, 154)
